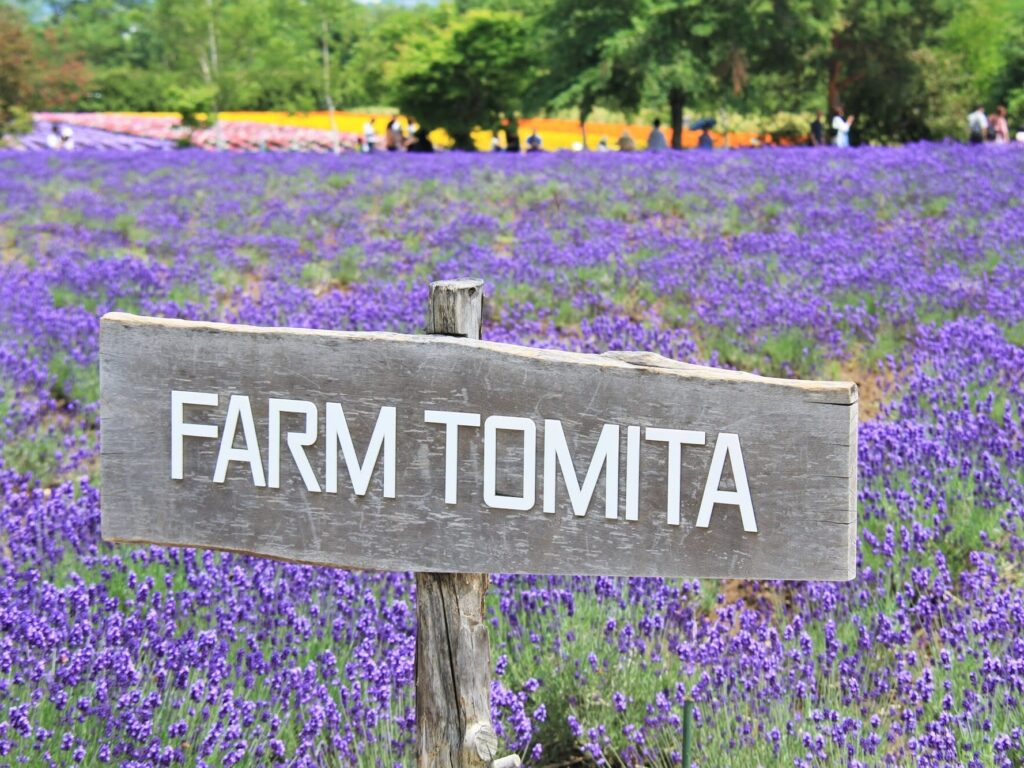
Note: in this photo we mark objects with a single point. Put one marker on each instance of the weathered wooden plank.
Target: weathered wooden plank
(453, 654)
(797, 438)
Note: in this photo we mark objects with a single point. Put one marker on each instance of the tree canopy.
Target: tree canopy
(908, 68)
(473, 72)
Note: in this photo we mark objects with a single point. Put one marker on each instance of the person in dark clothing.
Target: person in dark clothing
(512, 137)
(817, 132)
(422, 141)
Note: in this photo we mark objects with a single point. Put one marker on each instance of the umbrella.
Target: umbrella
(704, 122)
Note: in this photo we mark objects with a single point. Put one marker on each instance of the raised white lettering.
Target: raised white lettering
(632, 473)
(384, 435)
(529, 430)
(297, 442)
(676, 438)
(728, 444)
(238, 407)
(181, 429)
(606, 454)
(452, 421)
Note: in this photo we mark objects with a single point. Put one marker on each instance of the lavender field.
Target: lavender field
(902, 269)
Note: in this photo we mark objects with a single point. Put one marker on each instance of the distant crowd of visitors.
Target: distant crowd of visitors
(410, 138)
(994, 127)
(981, 128)
(414, 138)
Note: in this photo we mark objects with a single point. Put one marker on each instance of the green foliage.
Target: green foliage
(382, 31)
(191, 101)
(473, 72)
(982, 38)
(36, 69)
(581, 69)
(19, 121)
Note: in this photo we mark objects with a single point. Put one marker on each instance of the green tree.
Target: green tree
(980, 37)
(668, 47)
(874, 65)
(1009, 85)
(695, 52)
(17, 58)
(37, 69)
(377, 47)
(332, 25)
(580, 69)
(471, 73)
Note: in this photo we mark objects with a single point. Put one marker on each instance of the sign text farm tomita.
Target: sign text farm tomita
(432, 453)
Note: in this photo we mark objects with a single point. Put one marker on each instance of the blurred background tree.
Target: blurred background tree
(907, 68)
(38, 69)
(474, 71)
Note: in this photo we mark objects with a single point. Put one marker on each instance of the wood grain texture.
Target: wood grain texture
(453, 672)
(453, 653)
(455, 308)
(798, 440)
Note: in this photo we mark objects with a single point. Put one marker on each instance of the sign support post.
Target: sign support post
(453, 657)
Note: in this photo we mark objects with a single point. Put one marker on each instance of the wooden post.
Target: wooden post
(453, 655)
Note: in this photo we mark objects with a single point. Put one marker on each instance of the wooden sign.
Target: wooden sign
(430, 453)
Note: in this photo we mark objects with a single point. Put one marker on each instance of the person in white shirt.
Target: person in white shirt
(841, 125)
(53, 138)
(369, 136)
(977, 124)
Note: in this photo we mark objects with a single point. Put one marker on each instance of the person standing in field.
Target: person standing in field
(817, 132)
(512, 138)
(999, 130)
(625, 142)
(656, 139)
(67, 137)
(496, 143)
(369, 135)
(977, 124)
(420, 141)
(841, 125)
(53, 139)
(705, 142)
(395, 138)
(534, 142)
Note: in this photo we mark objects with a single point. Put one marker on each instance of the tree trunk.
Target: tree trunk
(586, 107)
(834, 68)
(325, 55)
(214, 73)
(676, 102)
